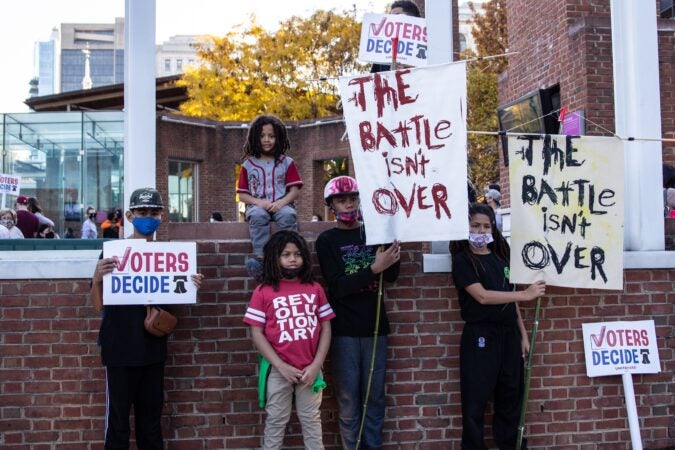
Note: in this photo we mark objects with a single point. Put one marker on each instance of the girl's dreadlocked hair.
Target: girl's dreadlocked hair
(273, 250)
(499, 246)
(253, 147)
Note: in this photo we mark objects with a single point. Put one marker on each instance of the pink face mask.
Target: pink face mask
(348, 218)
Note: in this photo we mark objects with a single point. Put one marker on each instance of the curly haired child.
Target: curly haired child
(290, 317)
(269, 183)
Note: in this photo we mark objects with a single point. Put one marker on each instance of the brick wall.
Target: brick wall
(217, 148)
(569, 43)
(51, 381)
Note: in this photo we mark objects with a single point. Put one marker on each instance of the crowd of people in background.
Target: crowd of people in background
(27, 220)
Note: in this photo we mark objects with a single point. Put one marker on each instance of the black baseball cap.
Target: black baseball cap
(146, 198)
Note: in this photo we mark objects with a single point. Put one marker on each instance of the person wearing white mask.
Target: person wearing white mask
(8, 220)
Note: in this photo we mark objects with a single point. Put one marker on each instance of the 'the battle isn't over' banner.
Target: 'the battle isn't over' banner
(407, 133)
(567, 210)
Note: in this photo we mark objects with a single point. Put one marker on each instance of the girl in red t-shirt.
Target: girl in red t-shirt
(290, 317)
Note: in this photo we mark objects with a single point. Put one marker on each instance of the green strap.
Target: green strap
(264, 373)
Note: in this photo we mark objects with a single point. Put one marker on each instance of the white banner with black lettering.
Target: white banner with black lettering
(567, 204)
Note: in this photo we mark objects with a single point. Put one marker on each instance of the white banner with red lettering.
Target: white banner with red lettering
(567, 210)
(380, 31)
(150, 273)
(407, 133)
(615, 348)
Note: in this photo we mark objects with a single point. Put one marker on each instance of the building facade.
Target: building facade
(60, 62)
(105, 43)
(45, 64)
(564, 56)
(176, 54)
(466, 40)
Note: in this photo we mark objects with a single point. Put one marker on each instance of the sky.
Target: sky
(29, 21)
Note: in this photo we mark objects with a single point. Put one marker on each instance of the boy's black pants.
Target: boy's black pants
(491, 367)
(142, 387)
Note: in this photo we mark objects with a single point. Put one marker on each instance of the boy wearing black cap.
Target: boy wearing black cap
(134, 359)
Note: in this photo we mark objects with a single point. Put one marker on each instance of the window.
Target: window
(332, 168)
(67, 160)
(179, 65)
(667, 10)
(241, 206)
(182, 195)
(335, 167)
(167, 65)
(535, 112)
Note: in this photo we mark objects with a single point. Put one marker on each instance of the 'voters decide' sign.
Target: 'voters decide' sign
(567, 210)
(150, 272)
(615, 348)
(407, 134)
(378, 30)
(10, 184)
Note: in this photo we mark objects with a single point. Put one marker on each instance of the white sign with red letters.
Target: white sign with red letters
(10, 184)
(615, 348)
(379, 33)
(150, 272)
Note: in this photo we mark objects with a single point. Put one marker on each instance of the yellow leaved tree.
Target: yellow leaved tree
(289, 72)
(489, 32)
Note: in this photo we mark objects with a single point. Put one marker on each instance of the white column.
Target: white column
(139, 97)
(637, 111)
(438, 15)
(439, 30)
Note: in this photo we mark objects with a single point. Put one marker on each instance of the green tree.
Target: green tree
(483, 156)
(489, 32)
(290, 72)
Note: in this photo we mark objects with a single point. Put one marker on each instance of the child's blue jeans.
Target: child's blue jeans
(350, 364)
(259, 224)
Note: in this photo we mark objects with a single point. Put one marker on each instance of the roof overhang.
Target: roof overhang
(111, 97)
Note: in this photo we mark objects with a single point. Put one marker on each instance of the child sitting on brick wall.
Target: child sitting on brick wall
(269, 183)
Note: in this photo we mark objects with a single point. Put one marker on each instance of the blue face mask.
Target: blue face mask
(146, 225)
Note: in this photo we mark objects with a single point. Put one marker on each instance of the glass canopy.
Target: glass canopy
(67, 160)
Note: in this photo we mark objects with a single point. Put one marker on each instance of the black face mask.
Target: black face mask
(289, 274)
(49, 236)
(91, 216)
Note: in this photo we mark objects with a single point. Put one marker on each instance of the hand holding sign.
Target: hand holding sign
(386, 258)
(536, 289)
